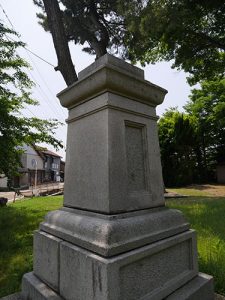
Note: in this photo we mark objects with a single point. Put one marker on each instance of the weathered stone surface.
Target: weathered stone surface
(113, 75)
(99, 151)
(16, 296)
(112, 148)
(109, 235)
(46, 258)
(150, 272)
(199, 288)
(34, 289)
(119, 240)
(111, 61)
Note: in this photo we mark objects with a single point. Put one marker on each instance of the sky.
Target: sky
(22, 15)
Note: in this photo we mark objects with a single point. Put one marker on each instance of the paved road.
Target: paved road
(9, 195)
(30, 192)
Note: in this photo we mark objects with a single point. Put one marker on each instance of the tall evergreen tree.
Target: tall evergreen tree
(177, 143)
(193, 143)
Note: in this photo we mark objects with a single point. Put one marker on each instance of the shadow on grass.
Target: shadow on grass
(201, 187)
(17, 224)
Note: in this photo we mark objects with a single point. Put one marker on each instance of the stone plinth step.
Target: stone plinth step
(197, 288)
(200, 287)
(16, 296)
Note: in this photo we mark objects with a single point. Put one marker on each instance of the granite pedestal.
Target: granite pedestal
(114, 239)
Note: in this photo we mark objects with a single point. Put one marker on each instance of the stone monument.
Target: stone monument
(114, 239)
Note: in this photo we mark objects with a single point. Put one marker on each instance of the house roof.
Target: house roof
(48, 152)
(42, 151)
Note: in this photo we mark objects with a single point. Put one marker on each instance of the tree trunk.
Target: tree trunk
(56, 26)
(201, 172)
(101, 45)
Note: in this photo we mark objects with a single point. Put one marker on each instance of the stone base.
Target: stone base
(67, 267)
(199, 288)
(154, 271)
(34, 289)
(16, 296)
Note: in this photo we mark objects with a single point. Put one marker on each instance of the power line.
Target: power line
(52, 105)
(31, 112)
(44, 60)
(4, 12)
(39, 88)
(37, 84)
(32, 52)
(28, 69)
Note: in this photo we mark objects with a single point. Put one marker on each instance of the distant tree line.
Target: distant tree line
(193, 142)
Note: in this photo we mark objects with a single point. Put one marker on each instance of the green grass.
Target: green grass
(19, 220)
(207, 217)
(17, 223)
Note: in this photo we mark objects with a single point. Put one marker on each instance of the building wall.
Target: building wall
(3, 182)
(221, 174)
(52, 168)
(56, 168)
(28, 156)
(56, 164)
(24, 179)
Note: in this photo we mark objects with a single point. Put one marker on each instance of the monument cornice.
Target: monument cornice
(110, 78)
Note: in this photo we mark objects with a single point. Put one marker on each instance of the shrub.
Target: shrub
(3, 201)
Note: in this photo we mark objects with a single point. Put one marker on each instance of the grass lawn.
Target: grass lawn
(207, 217)
(19, 220)
(17, 223)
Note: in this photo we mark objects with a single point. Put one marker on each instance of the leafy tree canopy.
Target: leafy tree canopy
(192, 143)
(207, 104)
(188, 32)
(15, 86)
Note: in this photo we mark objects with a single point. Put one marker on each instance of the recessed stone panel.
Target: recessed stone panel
(144, 276)
(150, 272)
(136, 158)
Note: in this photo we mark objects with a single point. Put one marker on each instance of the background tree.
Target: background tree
(177, 143)
(193, 143)
(191, 33)
(97, 24)
(207, 104)
(15, 129)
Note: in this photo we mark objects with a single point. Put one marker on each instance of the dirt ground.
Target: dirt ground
(219, 297)
(211, 189)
